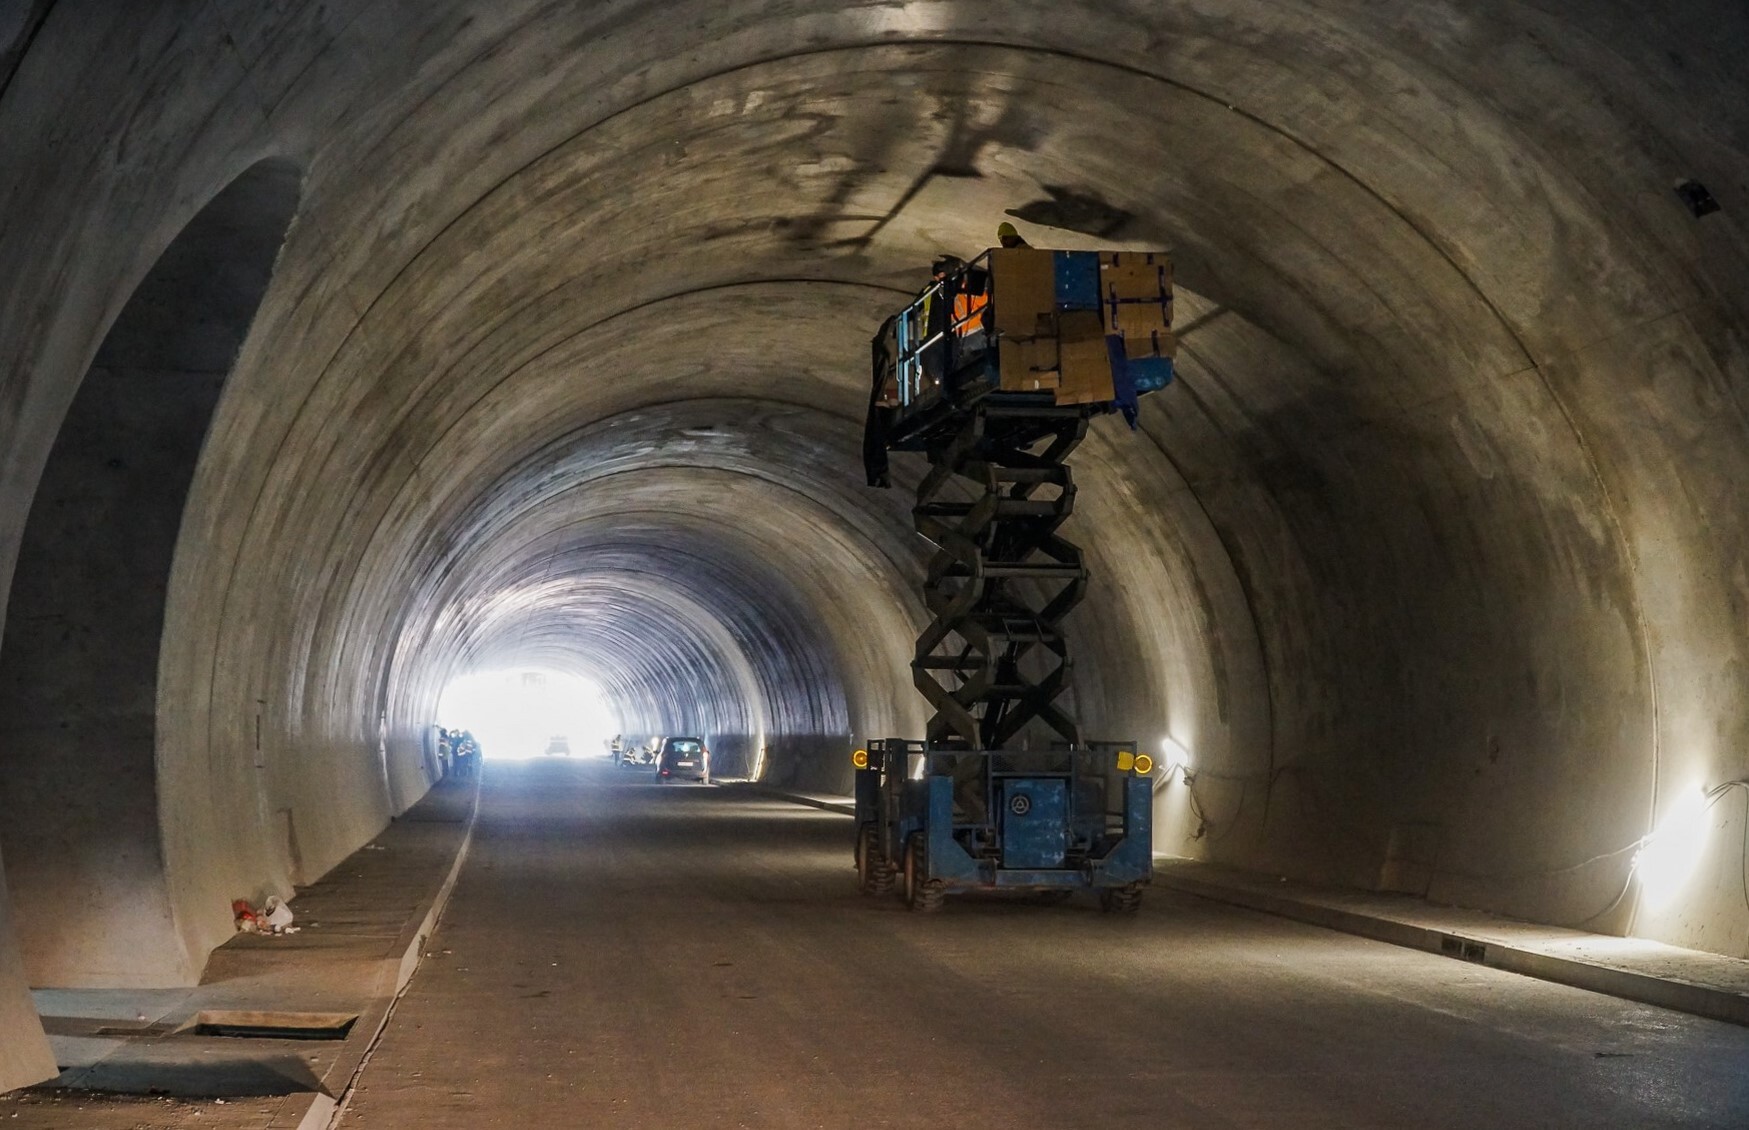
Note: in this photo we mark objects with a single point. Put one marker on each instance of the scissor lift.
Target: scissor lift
(993, 373)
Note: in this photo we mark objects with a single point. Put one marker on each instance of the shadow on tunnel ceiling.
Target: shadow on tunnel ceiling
(958, 157)
(1077, 211)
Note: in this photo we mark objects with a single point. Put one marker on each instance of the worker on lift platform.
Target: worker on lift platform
(1070, 328)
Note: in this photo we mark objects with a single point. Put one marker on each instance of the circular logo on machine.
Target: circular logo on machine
(1020, 805)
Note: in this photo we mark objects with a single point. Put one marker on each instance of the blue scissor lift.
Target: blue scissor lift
(993, 374)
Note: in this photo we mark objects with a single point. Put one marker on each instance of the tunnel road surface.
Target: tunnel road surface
(620, 953)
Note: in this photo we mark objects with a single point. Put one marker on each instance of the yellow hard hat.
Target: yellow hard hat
(1006, 230)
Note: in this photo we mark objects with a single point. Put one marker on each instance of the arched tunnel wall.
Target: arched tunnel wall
(1432, 557)
(79, 817)
(729, 625)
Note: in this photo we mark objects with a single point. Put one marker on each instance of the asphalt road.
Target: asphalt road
(619, 953)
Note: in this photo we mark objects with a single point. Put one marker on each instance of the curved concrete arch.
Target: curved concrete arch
(680, 667)
(79, 667)
(835, 586)
(80, 687)
(1431, 555)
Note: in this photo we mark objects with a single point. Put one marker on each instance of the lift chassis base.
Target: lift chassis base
(931, 821)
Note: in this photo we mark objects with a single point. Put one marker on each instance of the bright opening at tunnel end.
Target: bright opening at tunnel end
(528, 712)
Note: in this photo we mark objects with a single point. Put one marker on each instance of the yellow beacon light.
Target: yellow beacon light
(1125, 760)
(860, 759)
(1144, 764)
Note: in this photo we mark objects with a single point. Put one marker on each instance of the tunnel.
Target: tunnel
(352, 349)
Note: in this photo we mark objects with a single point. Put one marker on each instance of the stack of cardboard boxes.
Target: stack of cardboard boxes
(1090, 327)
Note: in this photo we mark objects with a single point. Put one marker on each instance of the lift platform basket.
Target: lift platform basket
(1086, 328)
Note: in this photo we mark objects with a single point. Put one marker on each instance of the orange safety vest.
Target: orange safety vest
(966, 307)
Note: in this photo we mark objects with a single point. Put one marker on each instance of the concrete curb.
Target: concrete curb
(318, 1115)
(320, 1110)
(1710, 1002)
(415, 937)
(796, 798)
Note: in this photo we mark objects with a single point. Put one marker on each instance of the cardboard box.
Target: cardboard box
(1029, 364)
(1136, 292)
(1024, 281)
(1160, 343)
(1136, 274)
(1084, 360)
(1130, 319)
(1080, 325)
(1085, 372)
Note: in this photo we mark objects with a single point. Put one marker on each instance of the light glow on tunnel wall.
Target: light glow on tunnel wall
(1669, 856)
(529, 712)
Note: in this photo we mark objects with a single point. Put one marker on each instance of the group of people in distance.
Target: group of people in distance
(458, 752)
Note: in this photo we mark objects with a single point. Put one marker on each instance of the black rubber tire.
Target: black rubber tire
(906, 871)
(874, 875)
(1121, 900)
(883, 876)
(924, 896)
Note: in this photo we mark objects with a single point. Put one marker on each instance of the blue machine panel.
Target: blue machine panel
(1034, 822)
(1077, 277)
(1150, 374)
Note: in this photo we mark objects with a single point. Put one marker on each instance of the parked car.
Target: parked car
(559, 746)
(683, 757)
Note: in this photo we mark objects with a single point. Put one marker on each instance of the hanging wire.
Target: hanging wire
(1713, 796)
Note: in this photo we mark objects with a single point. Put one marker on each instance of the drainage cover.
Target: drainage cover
(1462, 949)
(272, 1025)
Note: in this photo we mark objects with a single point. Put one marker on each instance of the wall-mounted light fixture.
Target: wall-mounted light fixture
(1668, 856)
(1177, 760)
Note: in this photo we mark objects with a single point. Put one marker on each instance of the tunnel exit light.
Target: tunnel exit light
(529, 712)
(1667, 858)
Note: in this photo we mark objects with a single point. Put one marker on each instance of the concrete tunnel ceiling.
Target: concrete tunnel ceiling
(1433, 555)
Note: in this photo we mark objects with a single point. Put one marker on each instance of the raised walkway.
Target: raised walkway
(302, 1010)
(1701, 984)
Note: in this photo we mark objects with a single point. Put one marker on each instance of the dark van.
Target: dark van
(683, 757)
